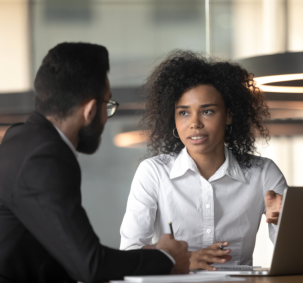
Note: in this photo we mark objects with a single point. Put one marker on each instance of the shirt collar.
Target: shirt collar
(233, 169)
(230, 167)
(182, 163)
(67, 141)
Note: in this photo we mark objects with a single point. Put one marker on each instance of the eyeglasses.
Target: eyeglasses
(111, 107)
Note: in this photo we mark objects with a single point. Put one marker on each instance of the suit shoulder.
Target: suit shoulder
(53, 153)
(50, 163)
(14, 126)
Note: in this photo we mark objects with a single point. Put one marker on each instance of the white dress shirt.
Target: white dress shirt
(227, 207)
(67, 141)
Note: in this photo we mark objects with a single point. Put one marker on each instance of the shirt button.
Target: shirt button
(208, 231)
(208, 206)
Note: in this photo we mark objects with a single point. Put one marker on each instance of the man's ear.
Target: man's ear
(89, 111)
(229, 117)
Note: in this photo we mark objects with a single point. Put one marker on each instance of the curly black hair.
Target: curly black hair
(184, 70)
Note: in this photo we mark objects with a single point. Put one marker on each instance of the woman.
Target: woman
(203, 118)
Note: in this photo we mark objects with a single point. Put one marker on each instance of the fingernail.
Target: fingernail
(214, 268)
(225, 243)
(222, 260)
(270, 197)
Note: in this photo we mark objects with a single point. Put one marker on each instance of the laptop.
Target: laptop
(288, 247)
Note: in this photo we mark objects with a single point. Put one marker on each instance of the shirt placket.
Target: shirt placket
(207, 213)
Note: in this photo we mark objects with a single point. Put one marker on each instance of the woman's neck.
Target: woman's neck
(208, 163)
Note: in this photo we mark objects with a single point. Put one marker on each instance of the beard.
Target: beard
(90, 136)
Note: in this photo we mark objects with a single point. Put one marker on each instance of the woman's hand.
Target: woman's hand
(273, 203)
(213, 254)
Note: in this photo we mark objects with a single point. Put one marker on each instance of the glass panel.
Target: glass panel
(14, 47)
(136, 33)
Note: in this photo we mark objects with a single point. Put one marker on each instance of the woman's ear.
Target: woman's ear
(229, 117)
(89, 111)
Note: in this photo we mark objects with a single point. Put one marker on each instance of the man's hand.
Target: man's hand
(149, 247)
(213, 254)
(273, 202)
(178, 250)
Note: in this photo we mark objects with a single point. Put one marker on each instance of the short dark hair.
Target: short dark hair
(70, 74)
(184, 70)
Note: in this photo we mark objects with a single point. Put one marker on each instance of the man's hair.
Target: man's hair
(70, 74)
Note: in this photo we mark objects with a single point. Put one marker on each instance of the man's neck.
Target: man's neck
(68, 126)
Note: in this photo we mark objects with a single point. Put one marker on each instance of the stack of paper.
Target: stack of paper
(226, 267)
(179, 278)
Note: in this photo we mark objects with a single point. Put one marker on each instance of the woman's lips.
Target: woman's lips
(198, 139)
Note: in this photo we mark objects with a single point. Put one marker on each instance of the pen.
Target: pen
(171, 228)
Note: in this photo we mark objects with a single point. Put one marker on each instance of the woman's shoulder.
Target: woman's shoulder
(260, 161)
(257, 164)
(154, 169)
(254, 161)
(160, 160)
(262, 165)
(264, 170)
(270, 174)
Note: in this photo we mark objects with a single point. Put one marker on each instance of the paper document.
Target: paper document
(227, 267)
(181, 278)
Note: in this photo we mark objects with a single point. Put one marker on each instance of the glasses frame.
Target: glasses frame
(111, 104)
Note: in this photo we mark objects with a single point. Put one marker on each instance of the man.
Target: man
(45, 235)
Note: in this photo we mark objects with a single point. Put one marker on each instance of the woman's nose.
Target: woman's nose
(196, 122)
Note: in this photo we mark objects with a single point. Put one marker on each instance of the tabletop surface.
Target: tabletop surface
(272, 279)
(263, 279)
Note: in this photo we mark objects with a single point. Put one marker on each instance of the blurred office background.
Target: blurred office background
(138, 35)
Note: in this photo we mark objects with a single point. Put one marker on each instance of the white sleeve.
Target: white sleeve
(137, 227)
(169, 256)
(273, 179)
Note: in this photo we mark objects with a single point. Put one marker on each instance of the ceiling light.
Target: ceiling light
(276, 68)
(262, 81)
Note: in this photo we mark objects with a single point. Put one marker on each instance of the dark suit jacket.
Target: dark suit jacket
(45, 235)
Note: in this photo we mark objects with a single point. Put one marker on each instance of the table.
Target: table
(263, 279)
(271, 279)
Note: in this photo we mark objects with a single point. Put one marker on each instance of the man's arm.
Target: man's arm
(47, 200)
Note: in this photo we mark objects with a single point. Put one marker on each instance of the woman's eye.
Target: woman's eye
(207, 111)
(183, 113)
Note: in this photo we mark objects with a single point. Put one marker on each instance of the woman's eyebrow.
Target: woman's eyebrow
(208, 105)
(182, 107)
(202, 106)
